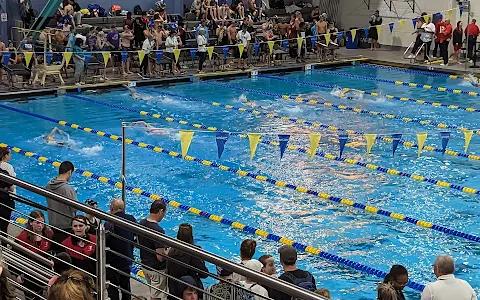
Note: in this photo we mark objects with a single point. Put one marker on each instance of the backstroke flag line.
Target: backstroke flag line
(468, 134)
(254, 138)
(314, 141)
(342, 139)
(445, 135)
(395, 141)
(370, 141)
(221, 139)
(186, 137)
(421, 137)
(283, 142)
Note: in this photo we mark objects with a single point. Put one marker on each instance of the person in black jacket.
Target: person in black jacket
(7, 205)
(117, 208)
(185, 234)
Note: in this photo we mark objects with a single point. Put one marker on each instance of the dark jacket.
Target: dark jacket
(176, 270)
(120, 246)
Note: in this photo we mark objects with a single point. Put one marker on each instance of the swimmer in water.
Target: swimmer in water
(133, 93)
(50, 138)
(349, 94)
(473, 80)
(252, 104)
(149, 127)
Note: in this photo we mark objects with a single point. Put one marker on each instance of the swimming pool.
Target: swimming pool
(371, 239)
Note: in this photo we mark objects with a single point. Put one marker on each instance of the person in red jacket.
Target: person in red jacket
(444, 36)
(81, 246)
(471, 32)
(37, 237)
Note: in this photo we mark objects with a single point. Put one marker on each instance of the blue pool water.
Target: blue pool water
(363, 237)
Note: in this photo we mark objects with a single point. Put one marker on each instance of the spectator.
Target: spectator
(7, 289)
(92, 38)
(60, 215)
(458, 41)
(232, 33)
(196, 8)
(126, 38)
(159, 35)
(268, 265)
(148, 46)
(79, 61)
(7, 205)
(253, 10)
(101, 40)
(138, 32)
(117, 208)
(247, 251)
(393, 284)
(240, 9)
(128, 21)
(5, 156)
(145, 18)
(77, 15)
(315, 14)
(37, 238)
(203, 24)
(71, 38)
(154, 265)
(471, 32)
(171, 43)
(418, 40)
(292, 274)
(187, 291)
(72, 285)
(437, 31)
(185, 234)
(81, 246)
(212, 10)
(27, 46)
(243, 37)
(251, 284)
(222, 35)
(375, 20)
(324, 293)
(444, 39)
(321, 26)
(447, 287)
(93, 222)
(61, 263)
(224, 290)
(113, 43)
(182, 32)
(202, 49)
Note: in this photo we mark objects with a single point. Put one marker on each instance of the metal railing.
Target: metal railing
(41, 266)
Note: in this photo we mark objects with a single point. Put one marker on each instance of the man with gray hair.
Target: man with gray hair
(447, 287)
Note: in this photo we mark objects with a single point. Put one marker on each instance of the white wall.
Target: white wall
(354, 13)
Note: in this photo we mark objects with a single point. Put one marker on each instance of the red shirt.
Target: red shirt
(472, 30)
(87, 250)
(444, 32)
(37, 247)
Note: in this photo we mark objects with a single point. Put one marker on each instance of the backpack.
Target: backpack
(304, 283)
(137, 10)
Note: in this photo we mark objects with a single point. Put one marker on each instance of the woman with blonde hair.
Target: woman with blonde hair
(72, 285)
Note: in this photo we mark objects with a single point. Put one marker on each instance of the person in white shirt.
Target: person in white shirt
(202, 49)
(171, 43)
(252, 285)
(147, 46)
(5, 156)
(244, 37)
(447, 287)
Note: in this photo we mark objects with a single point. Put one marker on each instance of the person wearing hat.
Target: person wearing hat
(188, 285)
(259, 291)
(222, 289)
(292, 274)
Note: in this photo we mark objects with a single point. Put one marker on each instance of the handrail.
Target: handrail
(276, 284)
(26, 251)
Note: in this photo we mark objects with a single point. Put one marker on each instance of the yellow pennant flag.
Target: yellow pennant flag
(354, 34)
(450, 13)
(402, 23)
(426, 18)
(370, 141)
(300, 42)
(468, 137)
(270, 46)
(421, 137)
(186, 137)
(106, 57)
(379, 30)
(210, 52)
(314, 141)
(327, 38)
(254, 138)
(241, 47)
(141, 55)
(67, 56)
(176, 53)
(28, 57)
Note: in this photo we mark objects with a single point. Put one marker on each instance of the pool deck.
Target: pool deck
(385, 56)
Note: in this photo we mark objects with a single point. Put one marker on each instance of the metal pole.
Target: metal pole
(192, 250)
(101, 264)
(124, 163)
(474, 46)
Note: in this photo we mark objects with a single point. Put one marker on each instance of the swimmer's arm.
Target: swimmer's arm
(49, 137)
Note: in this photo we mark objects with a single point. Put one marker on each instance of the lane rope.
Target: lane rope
(237, 225)
(367, 78)
(357, 110)
(413, 71)
(262, 178)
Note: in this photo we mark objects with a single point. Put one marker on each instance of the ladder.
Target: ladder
(415, 56)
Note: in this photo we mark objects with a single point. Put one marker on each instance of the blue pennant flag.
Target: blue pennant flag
(49, 57)
(391, 27)
(366, 29)
(256, 48)
(445, 135)
(461, 11)
(6, 57)
(283, 141)
(159, 56)
(340, 37)
(395, 141)
(193, 53)
(285, 45)
(221, 138)
(225, 50)
(87, 57)
(313, 39)
(124, 55)
(342, 139)
(414, 21)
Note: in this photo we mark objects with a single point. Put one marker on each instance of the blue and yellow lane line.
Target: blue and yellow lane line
(357, 110)
(219, 219)
(322, 154)
(413, 71)
(408, 84)
(262, 178)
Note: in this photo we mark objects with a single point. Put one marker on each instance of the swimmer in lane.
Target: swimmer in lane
(349, 94)
(50, 138)
(473, 80)
(133, 93)
(149, 127)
